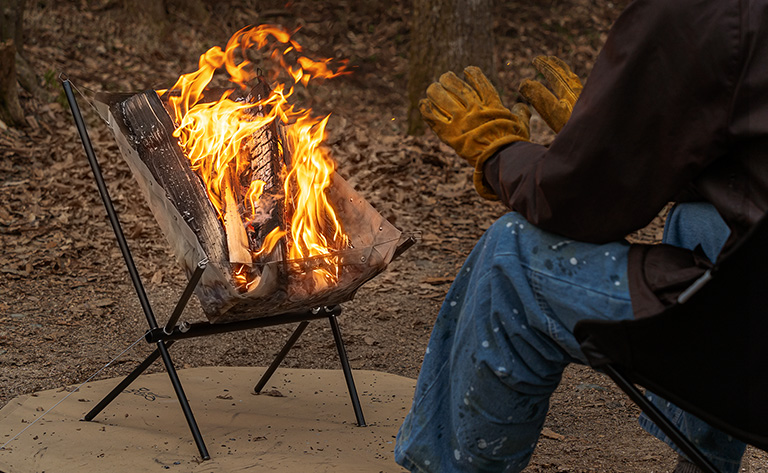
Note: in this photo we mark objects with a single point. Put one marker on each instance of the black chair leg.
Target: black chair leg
(124, 384)
(661, 421)
(160, 351)
(183, 400)
(280, 356)
(347, 370)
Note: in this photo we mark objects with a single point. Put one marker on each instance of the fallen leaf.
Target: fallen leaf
(103, 302)
(438, 281)
(551, 434)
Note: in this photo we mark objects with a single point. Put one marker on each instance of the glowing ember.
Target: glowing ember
(215, 136)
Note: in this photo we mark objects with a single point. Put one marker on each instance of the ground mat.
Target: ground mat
(302, 421)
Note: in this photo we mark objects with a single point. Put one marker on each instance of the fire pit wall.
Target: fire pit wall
(143, 130)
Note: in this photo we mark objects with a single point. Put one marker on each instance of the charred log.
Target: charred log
(268, 161)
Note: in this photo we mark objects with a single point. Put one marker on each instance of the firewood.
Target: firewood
(263, 152)
(175, 194)
(237, 239)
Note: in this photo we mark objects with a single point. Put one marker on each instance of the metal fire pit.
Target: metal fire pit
(143, 130)
(376, 243)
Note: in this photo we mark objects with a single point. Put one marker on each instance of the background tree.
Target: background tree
(154, 14)
(11, 39)
(447, 35)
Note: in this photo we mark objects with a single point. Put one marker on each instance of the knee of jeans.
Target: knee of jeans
(493, 432)
(691, 224)
(508, 225)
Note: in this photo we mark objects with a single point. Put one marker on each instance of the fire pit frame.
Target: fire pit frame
(164, 337)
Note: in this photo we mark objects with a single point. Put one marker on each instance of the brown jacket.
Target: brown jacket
(677, 104)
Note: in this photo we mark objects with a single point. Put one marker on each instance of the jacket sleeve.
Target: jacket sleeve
(652, 115)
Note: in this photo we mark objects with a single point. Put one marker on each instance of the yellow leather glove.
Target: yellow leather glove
(554, 109)
(470, 118)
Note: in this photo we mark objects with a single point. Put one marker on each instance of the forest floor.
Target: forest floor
(66, 302)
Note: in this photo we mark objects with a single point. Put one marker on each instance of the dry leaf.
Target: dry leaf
(551, 434)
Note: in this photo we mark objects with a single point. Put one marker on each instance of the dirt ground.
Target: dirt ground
(66, 303)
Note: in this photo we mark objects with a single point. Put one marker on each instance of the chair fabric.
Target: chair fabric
(708, 355)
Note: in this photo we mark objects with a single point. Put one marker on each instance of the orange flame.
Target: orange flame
(213, 136)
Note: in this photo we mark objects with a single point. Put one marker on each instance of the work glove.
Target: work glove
(554, 109)
(470, 118)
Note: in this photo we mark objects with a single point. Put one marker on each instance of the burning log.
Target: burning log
(237, 239)
(265, 175)
(178, 200)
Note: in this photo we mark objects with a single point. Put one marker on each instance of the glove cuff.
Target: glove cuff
(479, 174)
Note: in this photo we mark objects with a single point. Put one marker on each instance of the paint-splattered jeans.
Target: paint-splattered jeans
(500, 343)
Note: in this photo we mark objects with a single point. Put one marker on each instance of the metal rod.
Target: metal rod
(191, 285)
(135, 278)
(695, 287)
(661, 421)
(202, 329)
(280, 356)
(124, 384)
(183, 400)
(121, 242)
(409, 242)
(347, 370)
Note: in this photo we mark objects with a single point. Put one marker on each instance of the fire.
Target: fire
(215, 136)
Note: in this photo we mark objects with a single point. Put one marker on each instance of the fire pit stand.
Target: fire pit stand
(164, 337)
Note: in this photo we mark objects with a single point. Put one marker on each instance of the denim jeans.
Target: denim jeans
(501, 341)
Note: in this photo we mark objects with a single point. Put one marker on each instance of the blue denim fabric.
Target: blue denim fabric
(502, 339)
(500, 343)
(688, 226)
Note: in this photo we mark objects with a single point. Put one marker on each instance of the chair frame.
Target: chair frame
(658, 418)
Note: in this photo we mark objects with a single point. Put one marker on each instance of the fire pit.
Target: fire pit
(249, 200)
(239, 177)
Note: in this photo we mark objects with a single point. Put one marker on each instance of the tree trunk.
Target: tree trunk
(150, 18)
(10, 109)
(152, 10)
(11, 21)
(447, 35)
(11, 39)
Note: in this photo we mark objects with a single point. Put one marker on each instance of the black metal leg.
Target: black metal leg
(109, 206)
(183, 400)
(184, 299)
(131, 266)
(658, 418)
(124, 384)
(280, 356)
(347, 370)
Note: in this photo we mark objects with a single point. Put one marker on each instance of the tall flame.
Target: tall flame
(213, 136)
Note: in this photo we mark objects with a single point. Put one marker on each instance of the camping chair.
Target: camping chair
(707, 353)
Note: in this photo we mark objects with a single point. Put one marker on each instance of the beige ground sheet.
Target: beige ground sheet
(303, 423)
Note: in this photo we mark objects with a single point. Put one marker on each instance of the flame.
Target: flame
(214, 136)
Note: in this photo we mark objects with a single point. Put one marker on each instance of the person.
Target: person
(675, 110)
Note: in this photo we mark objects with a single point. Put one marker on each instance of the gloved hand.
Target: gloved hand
(470, 118)
(567, 87)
